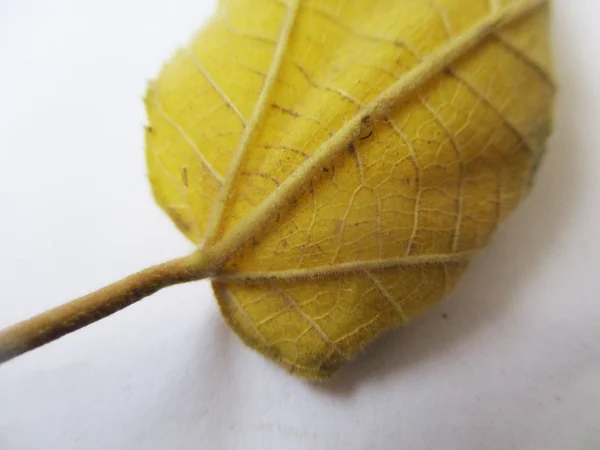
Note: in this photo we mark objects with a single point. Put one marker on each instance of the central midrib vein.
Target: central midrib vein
(431, 66)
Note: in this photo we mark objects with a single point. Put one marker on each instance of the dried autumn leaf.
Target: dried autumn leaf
(341, 161)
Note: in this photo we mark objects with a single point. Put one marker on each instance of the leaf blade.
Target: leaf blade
(355, 191)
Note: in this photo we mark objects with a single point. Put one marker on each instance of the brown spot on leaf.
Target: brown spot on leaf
(285, 110)
(184, 176)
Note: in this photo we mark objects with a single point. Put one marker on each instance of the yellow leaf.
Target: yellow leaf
(340, 162)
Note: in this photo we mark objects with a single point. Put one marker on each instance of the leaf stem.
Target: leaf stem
(64, 319)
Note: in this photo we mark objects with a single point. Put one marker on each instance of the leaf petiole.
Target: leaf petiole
(64, 319)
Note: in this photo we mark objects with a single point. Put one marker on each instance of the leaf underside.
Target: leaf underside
(347, 159)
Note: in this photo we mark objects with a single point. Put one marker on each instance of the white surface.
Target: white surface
(515, 365)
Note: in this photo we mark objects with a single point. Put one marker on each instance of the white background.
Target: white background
(516, 363)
